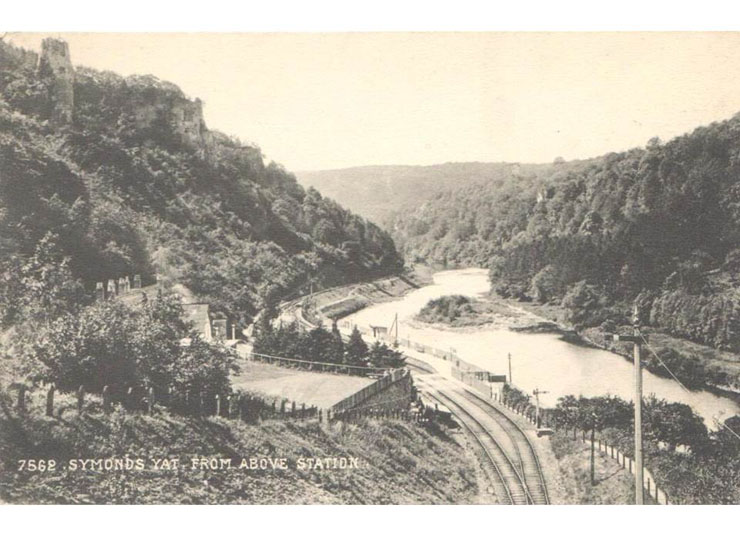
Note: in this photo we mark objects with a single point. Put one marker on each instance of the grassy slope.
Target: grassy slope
(401, 463)
(614, 486)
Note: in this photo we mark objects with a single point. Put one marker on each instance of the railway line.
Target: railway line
(510, 460)
(508, 457)
(508, 485)
(529, 462)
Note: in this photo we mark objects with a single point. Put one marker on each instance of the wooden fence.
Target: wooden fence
(650, 486)
(652, 490)
(315, 366)
(369, 390)
(240, 405)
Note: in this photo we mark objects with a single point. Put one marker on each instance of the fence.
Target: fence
(315, 366)
(650, 487)
(450, 356)
(612, 451)
(243, 406)
(394, 376)
(466, 372)
(354, 415)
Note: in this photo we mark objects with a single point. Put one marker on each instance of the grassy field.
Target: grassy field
(398, 462)
(312, 388)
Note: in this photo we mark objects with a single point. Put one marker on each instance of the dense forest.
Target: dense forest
(135, 183)
(660, 225)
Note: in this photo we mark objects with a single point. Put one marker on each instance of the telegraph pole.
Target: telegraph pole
(593, 465)
(511, 382)
(536, 394)
(638, 408)
(636, 338)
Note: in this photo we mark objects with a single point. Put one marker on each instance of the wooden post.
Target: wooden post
(218, 405)
(80, 399)
(21, 406)
(50, 402)
(129, 399)
(593, 462)
(150, 401)
(106, 399)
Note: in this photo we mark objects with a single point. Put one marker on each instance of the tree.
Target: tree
(317, 345)
(545, 284)
(584, 305)
(688, 369)
(356, 352)
(111, 344)
(382, 356)
(674, 424)
(335, 348)
(48, 289)
(204, 368)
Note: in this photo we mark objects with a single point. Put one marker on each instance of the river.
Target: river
(539, 360)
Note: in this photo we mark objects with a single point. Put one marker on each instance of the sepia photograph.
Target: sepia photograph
(370, 268)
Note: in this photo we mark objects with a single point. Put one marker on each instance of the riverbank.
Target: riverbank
(722, 368)
(342, 301)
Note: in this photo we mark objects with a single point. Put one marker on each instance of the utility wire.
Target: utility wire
(663, 364)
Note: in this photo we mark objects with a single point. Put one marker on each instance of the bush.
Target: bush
(689, 370)
(445, 309)
(110, 344)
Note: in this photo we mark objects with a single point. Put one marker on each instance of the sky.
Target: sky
(316, 101)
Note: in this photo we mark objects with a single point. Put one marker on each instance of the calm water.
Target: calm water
(538, 360)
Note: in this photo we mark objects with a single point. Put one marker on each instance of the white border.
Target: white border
(213, 530)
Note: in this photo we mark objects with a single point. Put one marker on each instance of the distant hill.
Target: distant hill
(377, 192)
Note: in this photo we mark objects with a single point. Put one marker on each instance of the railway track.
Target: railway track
(529, 462)
(508, 484)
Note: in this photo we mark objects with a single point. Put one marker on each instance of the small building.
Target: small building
(379, 332)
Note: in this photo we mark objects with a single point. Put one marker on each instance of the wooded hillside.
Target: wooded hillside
(137, 184)
(659, 224)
